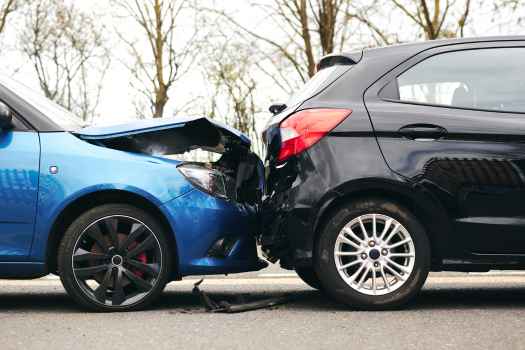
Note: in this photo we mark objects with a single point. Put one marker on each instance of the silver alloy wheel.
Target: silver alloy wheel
(374, 254)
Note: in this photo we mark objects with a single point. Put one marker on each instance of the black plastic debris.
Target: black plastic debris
(226, 307)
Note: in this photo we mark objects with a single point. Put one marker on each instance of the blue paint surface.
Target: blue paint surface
(19, 167)
(32, 198)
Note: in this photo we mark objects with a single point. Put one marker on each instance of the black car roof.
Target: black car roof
(414, 48)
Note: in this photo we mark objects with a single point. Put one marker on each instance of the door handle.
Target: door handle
(423, 132)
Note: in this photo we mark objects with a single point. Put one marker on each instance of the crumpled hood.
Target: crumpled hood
(166, 135)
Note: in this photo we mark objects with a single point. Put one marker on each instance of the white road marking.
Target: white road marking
(287, 279)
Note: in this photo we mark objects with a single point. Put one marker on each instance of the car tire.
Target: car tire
(114, 257)
(309, 276)
(394, 264)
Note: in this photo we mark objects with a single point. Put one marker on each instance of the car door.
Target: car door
(452, 121)
(19, 169)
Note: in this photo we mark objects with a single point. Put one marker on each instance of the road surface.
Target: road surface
(470, 311)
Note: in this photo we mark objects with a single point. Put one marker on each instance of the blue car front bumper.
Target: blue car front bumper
(213, 236)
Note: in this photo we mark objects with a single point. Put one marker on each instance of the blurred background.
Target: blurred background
(111, 61)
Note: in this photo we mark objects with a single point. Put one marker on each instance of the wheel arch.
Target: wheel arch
(94, 199)
(431, 213)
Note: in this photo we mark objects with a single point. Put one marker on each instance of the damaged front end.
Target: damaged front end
(238, 174)
(216, 225)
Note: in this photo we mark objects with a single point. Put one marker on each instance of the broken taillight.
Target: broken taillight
(305, 128)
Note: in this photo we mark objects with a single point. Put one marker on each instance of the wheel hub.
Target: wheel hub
(117, 260)
(374, 254)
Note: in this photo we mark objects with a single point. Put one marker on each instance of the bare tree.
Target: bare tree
(506, 13)
(229, 66)
(6, 9)
(371, 14)
(433, 18)
(67, 53)
(436, 18)
(164, 59)
(305, 31)
(512, 4)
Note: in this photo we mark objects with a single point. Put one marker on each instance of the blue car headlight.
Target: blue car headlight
(208, 179)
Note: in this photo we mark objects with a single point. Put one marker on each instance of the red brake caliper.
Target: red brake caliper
(141, 257)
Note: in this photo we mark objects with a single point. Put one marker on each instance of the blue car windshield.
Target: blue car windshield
(59, 115)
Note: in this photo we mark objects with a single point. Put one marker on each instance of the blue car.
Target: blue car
(111, 212)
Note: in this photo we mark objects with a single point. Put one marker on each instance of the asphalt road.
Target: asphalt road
(475, 311)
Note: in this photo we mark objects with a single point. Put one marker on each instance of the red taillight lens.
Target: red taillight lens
(304, 128)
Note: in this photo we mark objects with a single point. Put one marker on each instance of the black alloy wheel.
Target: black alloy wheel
(114, 258)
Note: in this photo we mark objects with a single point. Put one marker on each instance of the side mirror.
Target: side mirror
(277, 108)
(6, 117)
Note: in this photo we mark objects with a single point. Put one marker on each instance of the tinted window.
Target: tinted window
(489, 79)
(319, 81)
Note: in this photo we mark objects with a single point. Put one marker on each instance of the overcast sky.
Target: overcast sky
(118, 94)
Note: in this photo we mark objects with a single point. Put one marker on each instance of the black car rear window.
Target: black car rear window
(317, 83)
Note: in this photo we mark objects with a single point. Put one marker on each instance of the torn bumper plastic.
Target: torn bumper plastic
(225, 307)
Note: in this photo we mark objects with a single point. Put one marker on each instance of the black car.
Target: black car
(397, 161)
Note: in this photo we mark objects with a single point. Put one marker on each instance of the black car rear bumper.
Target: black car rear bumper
(288, 231)
(302, 192)
(290, 212)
